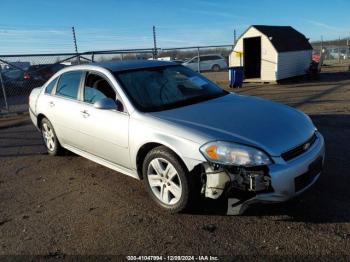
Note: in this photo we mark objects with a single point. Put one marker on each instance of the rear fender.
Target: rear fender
(33, 101)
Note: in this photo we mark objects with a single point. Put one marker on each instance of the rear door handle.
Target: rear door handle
(85, 113)
(51, 104)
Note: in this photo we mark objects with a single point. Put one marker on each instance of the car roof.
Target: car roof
(117, 66)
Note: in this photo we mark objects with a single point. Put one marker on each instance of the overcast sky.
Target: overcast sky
(29, 26)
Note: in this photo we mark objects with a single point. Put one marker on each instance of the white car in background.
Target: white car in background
(207, 63)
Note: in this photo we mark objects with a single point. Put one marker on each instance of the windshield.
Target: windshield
(161, 88)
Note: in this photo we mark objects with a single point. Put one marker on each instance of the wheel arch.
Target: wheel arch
(39, 118)
(143, 151)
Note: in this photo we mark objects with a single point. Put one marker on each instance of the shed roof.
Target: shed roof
(285, 38)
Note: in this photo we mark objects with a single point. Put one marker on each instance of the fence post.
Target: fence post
(198, 61)
(75, 45)
(4, 91)
(154, 43)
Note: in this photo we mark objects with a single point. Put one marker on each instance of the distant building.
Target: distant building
(271, 53)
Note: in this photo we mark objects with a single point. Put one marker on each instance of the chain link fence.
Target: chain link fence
(331, 53)
(200, 59)
(19, 74)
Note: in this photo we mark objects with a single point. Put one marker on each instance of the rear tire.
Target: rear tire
(51, 142)
(167, 180)
(215, 68)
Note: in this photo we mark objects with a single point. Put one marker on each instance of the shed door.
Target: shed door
(252, 57)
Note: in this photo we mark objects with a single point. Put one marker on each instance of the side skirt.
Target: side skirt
(101, 161)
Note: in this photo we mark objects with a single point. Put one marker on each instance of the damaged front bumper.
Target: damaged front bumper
(277, 182)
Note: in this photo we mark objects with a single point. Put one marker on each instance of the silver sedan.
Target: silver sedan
(181, 134)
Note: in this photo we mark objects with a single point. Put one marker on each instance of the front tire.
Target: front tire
(167, 180)
(51, 142)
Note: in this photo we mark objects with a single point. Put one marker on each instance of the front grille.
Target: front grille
(306, 179)
(297, 151)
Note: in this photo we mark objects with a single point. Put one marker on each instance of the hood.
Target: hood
(268, 125)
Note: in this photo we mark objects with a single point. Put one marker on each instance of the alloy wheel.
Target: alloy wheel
(49, 137)
(164, 181)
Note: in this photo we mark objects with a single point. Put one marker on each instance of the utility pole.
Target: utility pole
(155, 51)
(321, 51)
(234, 36)
(75, 44)
(348, 47)
(339, 50)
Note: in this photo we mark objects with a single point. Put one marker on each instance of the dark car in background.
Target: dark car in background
(20, 82)
(45, 71)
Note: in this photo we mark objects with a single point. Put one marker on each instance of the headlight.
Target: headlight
(234, 154)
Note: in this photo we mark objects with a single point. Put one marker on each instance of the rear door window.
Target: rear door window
(203, 58)
(68, 84)
(217, 57)
(50, 86)
(212, 57)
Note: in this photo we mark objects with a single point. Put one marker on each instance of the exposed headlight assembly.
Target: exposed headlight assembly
(226, 153)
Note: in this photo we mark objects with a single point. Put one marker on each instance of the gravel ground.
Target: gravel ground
(59, 206)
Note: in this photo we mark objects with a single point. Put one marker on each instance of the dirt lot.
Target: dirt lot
(68, 205)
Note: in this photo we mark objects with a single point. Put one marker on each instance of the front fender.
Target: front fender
(142, 133)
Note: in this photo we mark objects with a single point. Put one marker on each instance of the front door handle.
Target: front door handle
(51, 104)
(85, 113)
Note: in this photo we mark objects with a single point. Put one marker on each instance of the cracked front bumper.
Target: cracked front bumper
(291, 178)
(288, 178)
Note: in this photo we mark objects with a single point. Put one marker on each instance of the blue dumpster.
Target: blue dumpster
(235, 76)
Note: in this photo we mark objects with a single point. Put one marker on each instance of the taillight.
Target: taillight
(26, 76)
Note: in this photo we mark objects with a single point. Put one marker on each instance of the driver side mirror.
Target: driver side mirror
(109, 104)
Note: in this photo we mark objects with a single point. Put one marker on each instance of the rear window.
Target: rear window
(13, 74)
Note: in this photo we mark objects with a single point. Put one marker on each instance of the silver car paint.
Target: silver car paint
(247, 120)
(143, 128)
(272, 127)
